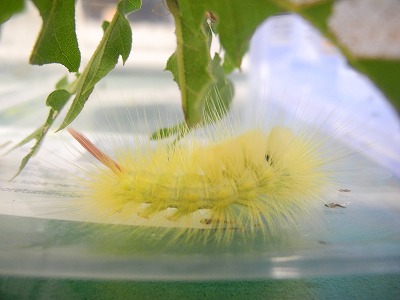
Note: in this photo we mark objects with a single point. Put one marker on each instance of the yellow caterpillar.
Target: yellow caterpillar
(259, 180)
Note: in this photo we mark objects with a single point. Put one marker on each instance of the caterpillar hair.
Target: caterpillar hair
(259, 180)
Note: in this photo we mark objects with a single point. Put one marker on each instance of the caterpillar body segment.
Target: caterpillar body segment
(255, 180)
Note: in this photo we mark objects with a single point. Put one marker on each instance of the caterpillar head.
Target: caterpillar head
(295, 161)
(279, 145)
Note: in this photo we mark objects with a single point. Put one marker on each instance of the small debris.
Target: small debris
(345, 190)
(324, 242)
(334, 205)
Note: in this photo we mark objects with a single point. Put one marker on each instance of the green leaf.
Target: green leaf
(385, 74)
(206, 93)
(190, 62)
(237, 21)
(163, 133)
(217, 103)
(105, 25)
(34, 135)
(57, 99)
(172, 66)
(62, 83)
(220, 94)
(317, 14)
(221, 91)
(116, 41)
(57, 42)
(229, 65)
(8, 8)
(203, 82)
(126, 7)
